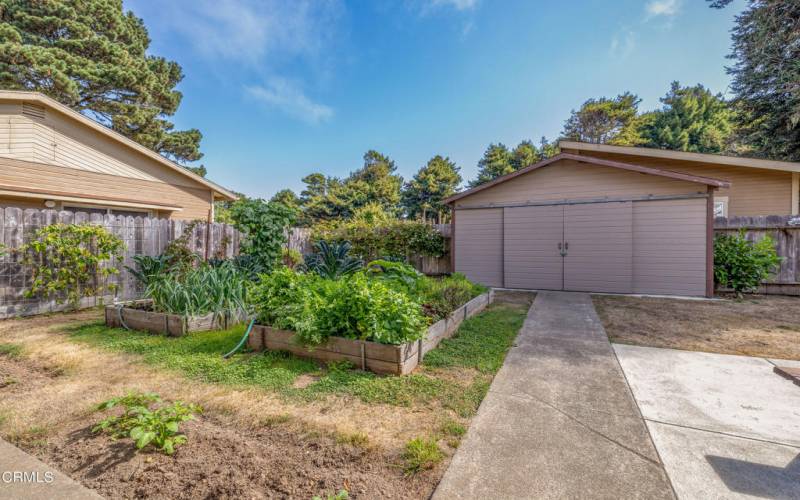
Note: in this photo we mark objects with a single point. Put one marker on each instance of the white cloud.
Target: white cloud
(665, 8)
(288, 97)
(623, 44)
(456, 4)
(251, 31)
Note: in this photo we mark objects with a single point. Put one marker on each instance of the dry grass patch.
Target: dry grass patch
(764, 326)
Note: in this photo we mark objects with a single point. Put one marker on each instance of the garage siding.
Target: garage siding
(479, 245)
(669, 247)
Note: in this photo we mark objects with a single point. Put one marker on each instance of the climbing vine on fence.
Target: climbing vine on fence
(68, 261)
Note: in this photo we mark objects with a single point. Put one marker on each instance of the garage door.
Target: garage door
(479, 245)
(598, 243)
(656, 247)
(532, 247)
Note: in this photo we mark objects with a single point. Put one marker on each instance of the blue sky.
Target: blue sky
(281, 89)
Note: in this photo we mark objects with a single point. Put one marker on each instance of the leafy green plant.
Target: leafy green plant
(742, 264)
(11, 350)
(177, 254)
(291, 258)
(382, 238)
(264, 227)
(147, 269)
(248, 265)
(145, 424)
(354, 306)
(332, 260)
(69, 260)
(221, 289)
(421, 454)
(398, 274)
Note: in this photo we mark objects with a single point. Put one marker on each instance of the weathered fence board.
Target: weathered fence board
(785, 230)
(142, 236)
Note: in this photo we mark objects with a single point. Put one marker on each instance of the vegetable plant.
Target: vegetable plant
(221, 289)
(264, 227)
(71, 260)
(742, 264)
(332, 260)
(145, 424)
(148, 269)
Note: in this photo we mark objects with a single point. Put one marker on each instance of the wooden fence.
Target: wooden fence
(141, 235)
(785, 230)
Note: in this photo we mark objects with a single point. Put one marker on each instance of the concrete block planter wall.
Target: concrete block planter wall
(173, 325)
(372, 356)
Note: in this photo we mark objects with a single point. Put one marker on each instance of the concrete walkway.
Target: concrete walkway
(725, 426)
(559, 420)
(23, 477)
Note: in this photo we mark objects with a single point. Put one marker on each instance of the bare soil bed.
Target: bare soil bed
(758, 325)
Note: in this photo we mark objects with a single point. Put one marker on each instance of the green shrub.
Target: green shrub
(146, 425)
(354, 307)
(742, 264)
(379, 238)
(71, 260)
(421, 454)
(396, 274)
(207, 289)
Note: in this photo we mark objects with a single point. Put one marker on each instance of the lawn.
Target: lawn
(758, 325)
(331, 426)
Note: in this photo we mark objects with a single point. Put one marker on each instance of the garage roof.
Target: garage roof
(735, 161)
(717, 183)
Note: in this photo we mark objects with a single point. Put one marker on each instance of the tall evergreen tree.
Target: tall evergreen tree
(525, 154)
(693, 119)
(423, 194)
(377, 181)
(496, 161)
(605, 121)
(766, 77)
(93, 57)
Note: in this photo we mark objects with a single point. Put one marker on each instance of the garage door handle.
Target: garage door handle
(566, 245)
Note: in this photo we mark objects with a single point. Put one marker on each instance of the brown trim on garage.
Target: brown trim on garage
(587, 201)
(710, 243)
(594, 161)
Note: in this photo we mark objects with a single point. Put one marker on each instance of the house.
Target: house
(54, 157)
(758, 187)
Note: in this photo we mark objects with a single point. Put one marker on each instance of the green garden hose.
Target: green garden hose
(241, 342)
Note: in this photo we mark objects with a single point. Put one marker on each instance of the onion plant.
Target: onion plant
(218, 289)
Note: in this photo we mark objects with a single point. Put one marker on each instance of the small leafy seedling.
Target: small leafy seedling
(342, 495)
(145, 424)
(421, 454)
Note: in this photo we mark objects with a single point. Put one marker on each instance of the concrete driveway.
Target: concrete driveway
(724, 426)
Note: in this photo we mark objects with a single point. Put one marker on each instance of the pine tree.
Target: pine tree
(524, 155)
(92, 56)
(496, 161)
(423, 194)
(693, 119)
(605, 121)
(766, 77)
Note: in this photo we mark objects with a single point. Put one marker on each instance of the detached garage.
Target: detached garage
(575, 222)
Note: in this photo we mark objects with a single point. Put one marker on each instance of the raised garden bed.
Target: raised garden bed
(379, 358)
(138, 315)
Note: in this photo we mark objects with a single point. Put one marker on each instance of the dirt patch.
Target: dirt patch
(764, 326)
(221, 462)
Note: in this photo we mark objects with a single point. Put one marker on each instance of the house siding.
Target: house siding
(753, 191)
(195, 202)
